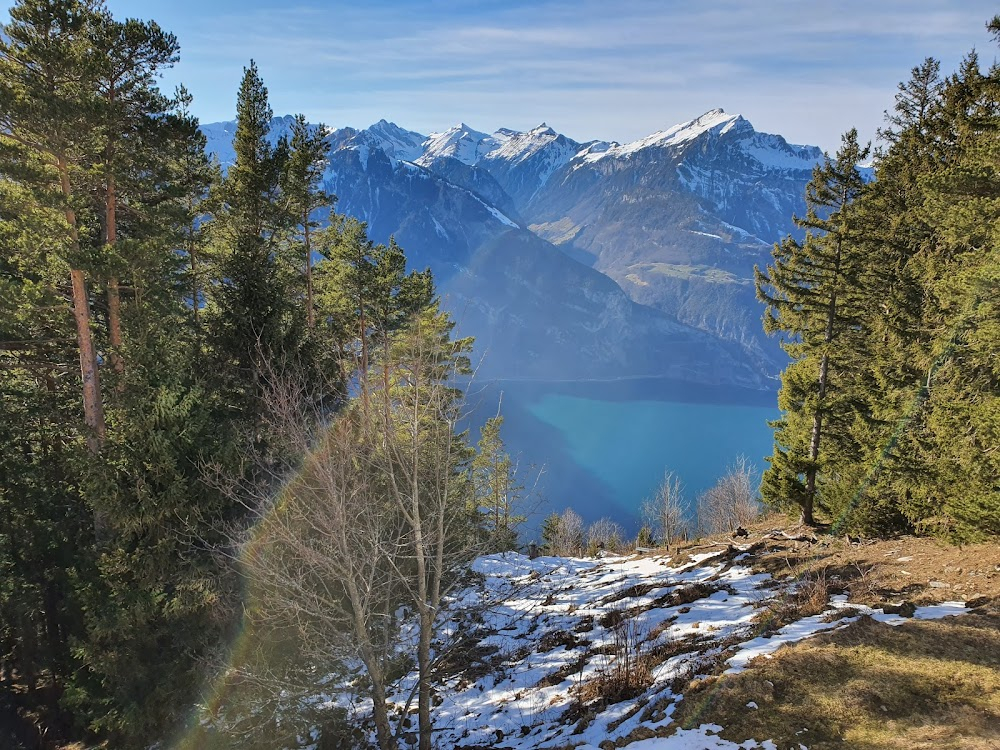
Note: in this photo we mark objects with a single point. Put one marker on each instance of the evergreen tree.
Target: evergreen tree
(811, 295)
(301, 177)
(898, 244)
(251, 312)
(197, 179)
(496, 488)
(956, 495)
(108, 624)
(48, 106)
(132, 115)
(365, 294)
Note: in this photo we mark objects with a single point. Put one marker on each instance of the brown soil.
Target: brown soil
(916, 569)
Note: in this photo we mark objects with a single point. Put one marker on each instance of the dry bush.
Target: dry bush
(605, 534)
(625, 672)
(809, 596)
(732, 503)
(565, 536)
(664, 512)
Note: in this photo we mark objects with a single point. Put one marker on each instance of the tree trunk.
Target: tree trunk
(115, 326)
(114, 296)
(824, 371)
(424, 608)
(363, 325)
(195, 286)
(310, 313)
(424, 669)
(380, 713)
(93, 406)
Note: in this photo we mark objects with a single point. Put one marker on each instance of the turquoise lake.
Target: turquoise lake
(603, 447)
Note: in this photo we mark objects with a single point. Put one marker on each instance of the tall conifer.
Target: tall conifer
(810, 292)
(300, 184)
(48, 110)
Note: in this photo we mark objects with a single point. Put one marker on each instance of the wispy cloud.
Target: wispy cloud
(591, 68)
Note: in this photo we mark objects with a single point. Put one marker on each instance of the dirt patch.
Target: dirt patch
(556, 638)
(916, 569)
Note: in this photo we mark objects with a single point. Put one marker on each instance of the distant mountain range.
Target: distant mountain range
(592, 260)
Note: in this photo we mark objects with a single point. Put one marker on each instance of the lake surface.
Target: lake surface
(604, 446)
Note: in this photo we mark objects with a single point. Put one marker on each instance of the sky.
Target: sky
(592, 69)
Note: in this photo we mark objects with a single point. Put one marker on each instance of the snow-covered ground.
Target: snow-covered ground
(535, 637)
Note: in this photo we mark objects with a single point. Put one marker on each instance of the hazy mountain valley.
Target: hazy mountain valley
(678, 220)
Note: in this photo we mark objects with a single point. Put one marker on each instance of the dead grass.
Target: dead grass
(916, 569)
(924, 571)
(920, 685)
(810, 596)
(923, 684)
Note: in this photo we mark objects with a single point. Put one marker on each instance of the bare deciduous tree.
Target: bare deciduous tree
(564, 534)
(361, 512)
(732, 502)
(318, 558)
(664, 512)
(605, 534)
(424, 461)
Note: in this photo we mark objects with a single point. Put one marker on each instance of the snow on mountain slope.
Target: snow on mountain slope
(397, 142)
(523, 162)
(770, 151)
(219, 136)
(715, 120)
(459, 142)
(514, 146)
(679, 218)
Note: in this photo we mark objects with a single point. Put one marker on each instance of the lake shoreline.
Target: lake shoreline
(637, 388)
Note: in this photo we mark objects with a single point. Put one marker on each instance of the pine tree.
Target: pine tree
(197, 178)
(131, 112)
(365, 295)
(893, 350)
(250, 311)
(496, 488)
(109, 623)
(960, 392)
(301, 177)
(48, 102)
(810, 292)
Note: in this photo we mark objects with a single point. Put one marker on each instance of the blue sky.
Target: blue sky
(609, 69)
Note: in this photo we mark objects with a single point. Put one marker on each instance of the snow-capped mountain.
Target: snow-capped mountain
(678, 219)
(460, 142)
(523, 162)
(397, 142)
(534, 310)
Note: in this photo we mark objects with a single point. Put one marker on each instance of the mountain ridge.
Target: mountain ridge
(676, 219)
(509, 284)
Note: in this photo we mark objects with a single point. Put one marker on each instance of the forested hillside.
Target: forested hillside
(160, 326)
(888, 310)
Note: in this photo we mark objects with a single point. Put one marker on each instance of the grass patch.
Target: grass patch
(557, 232)
(923, 684)
(682, 271)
